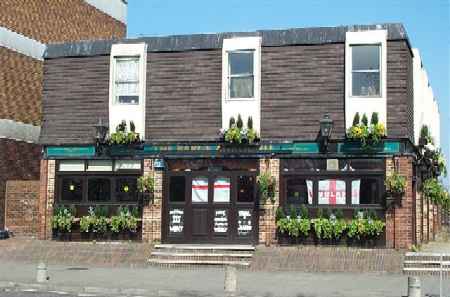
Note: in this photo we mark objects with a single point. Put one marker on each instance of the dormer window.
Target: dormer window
(126, 80)
(240, 74)
(366, 70)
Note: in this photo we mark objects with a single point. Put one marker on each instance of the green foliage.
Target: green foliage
(279, 214)
(250, 123)
(292, 211)
(304, 213)
(374, 118)
(62, 219)
(435, 192)
(232, 122)
(339, 227)
(365, 225)
(125, 220)
(367, 135)
(425, 134)
(395, 183)
(122, 136)
(356, 119)
(146, 184)
(233, 135)
(295, 227)
(239, 122)
(323, 228)
(364, 120)
(95, 221)
(266, 187)
(237, 134)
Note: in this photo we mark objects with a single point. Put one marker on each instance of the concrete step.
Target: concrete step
(200, 254)
(175, 255)
(197, 262)
(210, 247)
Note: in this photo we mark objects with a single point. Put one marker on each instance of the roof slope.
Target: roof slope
(176, 43)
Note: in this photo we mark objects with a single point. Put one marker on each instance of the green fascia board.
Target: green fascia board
(306, 148)
(385, 147)
(70, 151)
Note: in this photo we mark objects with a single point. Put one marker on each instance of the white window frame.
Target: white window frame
(128, 111)
(365, 104)
(366, 70)
(245, 106)
(116, 80)
(230, 76)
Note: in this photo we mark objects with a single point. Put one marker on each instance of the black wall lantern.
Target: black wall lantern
(326, 127)
(101, 132)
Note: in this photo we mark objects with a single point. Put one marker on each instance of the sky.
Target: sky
(427, 23)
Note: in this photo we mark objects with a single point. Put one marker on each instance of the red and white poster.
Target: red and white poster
(332, 191)
(222, 190)
(200, 190)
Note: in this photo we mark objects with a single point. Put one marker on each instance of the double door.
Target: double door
(210, 207)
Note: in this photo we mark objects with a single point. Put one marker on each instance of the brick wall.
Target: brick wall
(399, 219)
(19, 161)
(46, 198)
(267, 210)
(151, 214)
(59, 20)
(21, 208)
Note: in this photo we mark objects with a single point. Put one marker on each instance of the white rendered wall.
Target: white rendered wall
(426, 108)
(247, 106)
(128, 112)
(366, 105)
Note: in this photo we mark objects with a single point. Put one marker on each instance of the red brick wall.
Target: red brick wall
(59, 20)
(19, 161)
(399, 220)
(21, 214)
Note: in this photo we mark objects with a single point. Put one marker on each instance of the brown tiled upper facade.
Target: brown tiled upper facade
(46, 21)
(183, 93)
(51, 21)
(20, 87)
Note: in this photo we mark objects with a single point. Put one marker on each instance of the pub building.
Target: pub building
(214, 112)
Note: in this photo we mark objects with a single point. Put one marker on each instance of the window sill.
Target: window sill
(240, 99)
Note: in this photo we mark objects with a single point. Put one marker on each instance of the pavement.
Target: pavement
(154, 281)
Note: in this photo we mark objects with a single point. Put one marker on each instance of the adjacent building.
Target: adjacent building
(180, 93)
(26, 27)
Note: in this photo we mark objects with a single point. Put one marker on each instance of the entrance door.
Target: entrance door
(210, 207)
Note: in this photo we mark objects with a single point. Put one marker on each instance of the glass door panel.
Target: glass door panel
(222, 186)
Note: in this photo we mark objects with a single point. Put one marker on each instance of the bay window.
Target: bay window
(357, 183)
(95, 182)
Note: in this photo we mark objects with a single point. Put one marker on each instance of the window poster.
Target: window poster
(200, 190)
(332, 191)
(309, 184)
(355, 191)
(220, 221)
(244, 222)
(222, 190)
(176, 220)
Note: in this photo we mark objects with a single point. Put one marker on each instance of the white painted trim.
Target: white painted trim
(244, 106)
(21, 44)
(365, 105)
(114, 8)
(128, 112)
(10, 129)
